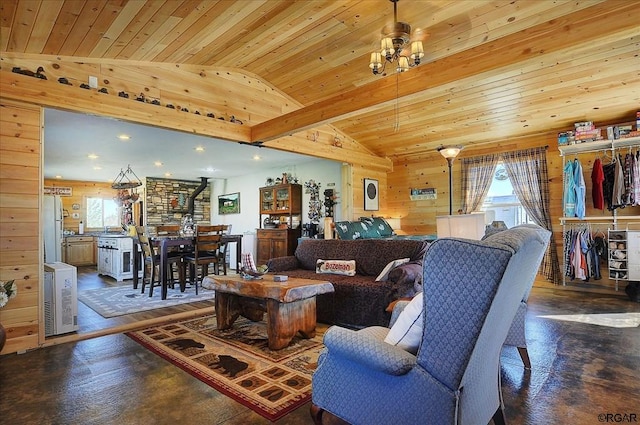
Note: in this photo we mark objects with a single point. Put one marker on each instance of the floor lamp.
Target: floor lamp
(450, 153)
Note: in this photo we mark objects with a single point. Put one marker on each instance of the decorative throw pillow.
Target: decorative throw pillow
(344, 267)
(247, 261)
(406, 332)
(380, 224)
(384, 274)
(348, 230)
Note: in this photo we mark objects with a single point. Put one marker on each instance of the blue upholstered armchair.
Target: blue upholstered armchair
(472, 290)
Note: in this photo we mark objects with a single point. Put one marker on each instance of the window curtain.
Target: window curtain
(527, 170)
(477, 174)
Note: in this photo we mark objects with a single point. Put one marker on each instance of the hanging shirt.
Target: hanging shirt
(607, 185)
(580, 188)
(618, 184)
(636, 178)
(597, 178)
(569, 191)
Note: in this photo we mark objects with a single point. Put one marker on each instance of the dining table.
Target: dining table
(164, 244)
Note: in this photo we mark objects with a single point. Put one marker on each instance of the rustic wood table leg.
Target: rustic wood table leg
(227, 309)
(284, 320)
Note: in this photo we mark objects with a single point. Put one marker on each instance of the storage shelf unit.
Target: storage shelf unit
(616, 224)
(280, 221)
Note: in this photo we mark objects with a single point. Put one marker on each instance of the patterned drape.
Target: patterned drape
(527, 170)
(477, 174)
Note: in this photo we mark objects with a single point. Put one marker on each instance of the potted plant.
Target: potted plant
(8, 290)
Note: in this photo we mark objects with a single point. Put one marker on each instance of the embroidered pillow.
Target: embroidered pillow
(343, 267)
(406, 332)
(384, 274)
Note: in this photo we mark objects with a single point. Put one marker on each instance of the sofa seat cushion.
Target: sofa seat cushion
(357, 301)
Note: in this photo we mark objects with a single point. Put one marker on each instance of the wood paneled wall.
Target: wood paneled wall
(80, 191)
(431, 170)
(20, 241)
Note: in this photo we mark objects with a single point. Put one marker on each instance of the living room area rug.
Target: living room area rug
(121, 300)
(238, 362)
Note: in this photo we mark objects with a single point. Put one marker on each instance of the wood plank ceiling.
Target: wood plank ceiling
(492, 70)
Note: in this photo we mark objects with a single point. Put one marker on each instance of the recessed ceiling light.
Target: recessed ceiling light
(257, 157)
(58, 176)
(92, 156)
(210, 170)
(167, 174)
(97, 167)
(124, 137)
(158, 164)
(199, 149)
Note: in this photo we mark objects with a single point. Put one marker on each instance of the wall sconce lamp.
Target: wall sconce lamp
(450, 153)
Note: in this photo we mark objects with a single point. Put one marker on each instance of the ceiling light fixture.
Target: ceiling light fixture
(124, 137)
(123, 181)
(392, 46)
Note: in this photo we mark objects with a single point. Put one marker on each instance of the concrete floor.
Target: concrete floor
(580, 371)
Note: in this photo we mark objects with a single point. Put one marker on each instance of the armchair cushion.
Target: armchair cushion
(365, 347)
(406, 332)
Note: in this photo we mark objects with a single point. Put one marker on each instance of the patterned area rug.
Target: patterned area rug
(120, 300)
(238, 362)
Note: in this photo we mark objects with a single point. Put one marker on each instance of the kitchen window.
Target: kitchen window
(102, 212)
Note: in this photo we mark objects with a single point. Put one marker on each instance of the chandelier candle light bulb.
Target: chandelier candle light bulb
(394, 39)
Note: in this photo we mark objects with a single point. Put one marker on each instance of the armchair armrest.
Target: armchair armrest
(281, 264)
(364, 349)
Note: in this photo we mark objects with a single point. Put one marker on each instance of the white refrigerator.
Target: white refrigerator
(52, 223)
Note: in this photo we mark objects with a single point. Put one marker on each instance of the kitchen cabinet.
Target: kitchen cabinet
(273, 243)
(79, 250)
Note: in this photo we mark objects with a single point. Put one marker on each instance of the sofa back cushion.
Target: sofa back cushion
(371, 255)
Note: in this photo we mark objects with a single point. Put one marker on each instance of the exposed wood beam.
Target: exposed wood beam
(615, 18)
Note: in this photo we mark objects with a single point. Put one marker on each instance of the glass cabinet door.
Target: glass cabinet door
(282, 198)
(267, 200)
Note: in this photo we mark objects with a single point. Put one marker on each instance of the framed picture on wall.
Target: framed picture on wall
(229, 203)
(371, 195)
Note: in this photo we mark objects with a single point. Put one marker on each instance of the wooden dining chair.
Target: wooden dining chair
(222, 251)
(151, 269)
(206, 252)
(175, 255)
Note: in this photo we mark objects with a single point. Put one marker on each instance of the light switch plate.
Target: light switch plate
(93, 82)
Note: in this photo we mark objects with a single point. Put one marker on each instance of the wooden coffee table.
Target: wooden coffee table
(290, 305)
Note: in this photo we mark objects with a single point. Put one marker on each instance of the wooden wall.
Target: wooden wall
(80, 191)
(20, 241)
(431, 170)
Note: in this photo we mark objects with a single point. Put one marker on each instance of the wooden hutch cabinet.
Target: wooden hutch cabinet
(280, 221)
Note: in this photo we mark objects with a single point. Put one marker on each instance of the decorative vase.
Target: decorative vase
(3, 337)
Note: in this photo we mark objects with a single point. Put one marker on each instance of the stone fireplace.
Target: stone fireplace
(167, 201)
